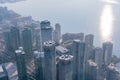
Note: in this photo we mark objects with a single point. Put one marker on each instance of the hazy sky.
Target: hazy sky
(69, 13)
(88, 16)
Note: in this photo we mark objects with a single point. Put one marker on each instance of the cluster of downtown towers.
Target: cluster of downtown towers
(57, 60)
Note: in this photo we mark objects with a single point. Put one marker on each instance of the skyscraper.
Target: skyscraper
(46, 31)
(112, 73)
(57, 34)
(78, 51)
(98, 59)
(15, 38)
(21, 64)
(107, 52)
(99, 56)
(8, 42)
(58, 29)
(50, 62)
(89, 46)
(38, 39)
(89, 39)
(39, 65)
(12, 39)
(65, 67)
(27, 42)
(92, 70)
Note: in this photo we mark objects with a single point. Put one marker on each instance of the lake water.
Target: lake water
(98, 17)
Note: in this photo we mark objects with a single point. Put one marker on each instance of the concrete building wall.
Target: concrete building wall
(65, 67)
(21, 64)
(107, 52)
(50, 62)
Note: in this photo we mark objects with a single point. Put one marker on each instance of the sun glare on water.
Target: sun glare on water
(106, 23)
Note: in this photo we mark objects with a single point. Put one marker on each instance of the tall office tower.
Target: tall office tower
(21, 64)
(58, 28)
(107, 52)
(65, 67)
(89, 46)
(92, 70)
(15, 38)
(50, 62)
(38, 39)
(60, 50)
(75, 53)
(98, 59)
(57, 34)
(78, 51)
(3, 73)
(99, 56)
(112, 73)
(46, 31)
(39, 65)
(89, 39)
(7, 38)
(27, 42)
(56, 37)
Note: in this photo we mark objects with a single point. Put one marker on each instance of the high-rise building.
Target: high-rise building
(75, 52)
(58, 29)
(15, 38)
(38, 39)
(27, 42)
(98, 56)
(50, 61)
(3, 73)
(12, 39)
(98, 59)
(89, 46)
(39, 65)
(65, 67)
(46, 31)
(60, 50)
(91, 70)
(21, 64)
(89, 39)
(78, 51)
(8, 42)
(112, 73)
(107, 52)
(57, 34)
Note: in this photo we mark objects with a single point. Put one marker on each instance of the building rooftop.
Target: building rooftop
(76, 40)
(38, 54)
(49, 43)
(45, 24)
(90, 35)
(62, 49)
(114, 68)
(91, 63)
(66, 59)
(107, 43)
(19, 51)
